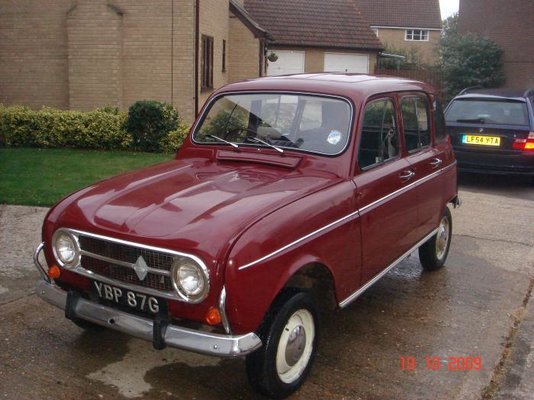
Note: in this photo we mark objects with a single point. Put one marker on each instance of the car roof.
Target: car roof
(504, 93)
(343, 84)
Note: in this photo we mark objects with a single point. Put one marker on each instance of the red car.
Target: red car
(290, 194)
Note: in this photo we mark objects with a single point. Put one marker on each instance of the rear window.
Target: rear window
(488, 111)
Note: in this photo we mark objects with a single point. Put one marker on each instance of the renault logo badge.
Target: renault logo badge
(141, 268)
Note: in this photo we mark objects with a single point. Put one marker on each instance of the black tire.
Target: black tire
(88, 326)
(434, 252)
(293, 318)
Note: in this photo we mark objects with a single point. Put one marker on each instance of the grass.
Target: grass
(41, 177)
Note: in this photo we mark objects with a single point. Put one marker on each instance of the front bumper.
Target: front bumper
(144, 328)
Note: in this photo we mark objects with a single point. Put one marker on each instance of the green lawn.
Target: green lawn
(41, 177)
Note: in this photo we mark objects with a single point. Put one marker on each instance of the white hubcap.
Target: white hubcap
(295, 346)
(442, 238)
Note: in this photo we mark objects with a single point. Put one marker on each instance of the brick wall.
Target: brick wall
(83, 54)
(510, 24)
(394, 38)
(91, 53)
(94, 43)
(157, 54)
(214, 22)
(244, 50)
(33, 52)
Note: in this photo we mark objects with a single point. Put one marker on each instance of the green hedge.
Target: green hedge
(102, 129)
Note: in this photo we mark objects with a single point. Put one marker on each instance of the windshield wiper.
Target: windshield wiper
(272, 146)
(235, 146)
(473, 120)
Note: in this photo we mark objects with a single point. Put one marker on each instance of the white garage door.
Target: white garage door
(289, 62)
(337, 62)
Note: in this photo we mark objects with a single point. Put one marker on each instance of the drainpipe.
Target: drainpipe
(172, 53)
(197, 38)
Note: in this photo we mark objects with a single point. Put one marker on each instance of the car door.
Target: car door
(388, 209)
(427, 156)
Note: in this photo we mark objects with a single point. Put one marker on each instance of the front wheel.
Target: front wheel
(434, 252)
(289, 334)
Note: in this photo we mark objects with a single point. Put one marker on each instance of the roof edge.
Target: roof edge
(248, 21)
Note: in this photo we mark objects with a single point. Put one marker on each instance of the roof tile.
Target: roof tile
(314, 23)
(402, 13)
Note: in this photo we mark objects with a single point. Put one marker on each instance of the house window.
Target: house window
(224, 56)
(207, 62)
(416, 35)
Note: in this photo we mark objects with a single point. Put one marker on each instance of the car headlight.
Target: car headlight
(190, 279)
(66, 249)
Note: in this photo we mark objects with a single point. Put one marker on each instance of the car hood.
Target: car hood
(199, 207)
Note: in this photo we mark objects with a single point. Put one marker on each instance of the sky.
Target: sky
(448, 7)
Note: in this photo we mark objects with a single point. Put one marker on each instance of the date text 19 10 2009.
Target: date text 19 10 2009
(437, 363)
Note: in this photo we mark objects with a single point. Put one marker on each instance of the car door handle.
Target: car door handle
(436, 162)
(406, 175)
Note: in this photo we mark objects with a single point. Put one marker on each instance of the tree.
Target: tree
(468, 59)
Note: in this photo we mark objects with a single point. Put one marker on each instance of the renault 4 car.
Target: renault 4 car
(290, 195)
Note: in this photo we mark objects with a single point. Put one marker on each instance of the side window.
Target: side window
(379, 139)
(441, 130)
(416, 123)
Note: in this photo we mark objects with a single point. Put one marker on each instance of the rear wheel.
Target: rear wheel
(434, 252)
(289, 334)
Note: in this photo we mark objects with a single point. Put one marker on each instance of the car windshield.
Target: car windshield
(286, 121)
(506, 112)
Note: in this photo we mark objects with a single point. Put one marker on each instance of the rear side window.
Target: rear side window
(380, 137)
(416, 122)
(507, 112)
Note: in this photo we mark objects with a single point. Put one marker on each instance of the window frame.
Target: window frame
(223, 56)
(410, 35)
(429, 122)
(206, 70)
(352, 110)
(392, 99)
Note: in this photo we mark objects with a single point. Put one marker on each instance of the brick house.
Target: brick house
(406, 24)
(90, 53)
(510, 23)
(316, 35)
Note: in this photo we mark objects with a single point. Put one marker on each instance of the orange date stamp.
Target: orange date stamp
(437, 363)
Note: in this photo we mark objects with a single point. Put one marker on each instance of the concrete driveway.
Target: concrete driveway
(413, 335)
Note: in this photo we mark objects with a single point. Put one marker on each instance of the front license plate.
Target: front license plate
(128, 298)
(482, 140)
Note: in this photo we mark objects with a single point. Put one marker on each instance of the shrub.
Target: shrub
(174, 139)
(149, 122)
(52, 128)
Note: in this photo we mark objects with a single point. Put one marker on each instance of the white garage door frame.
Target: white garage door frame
(346, 62)
(289, 62)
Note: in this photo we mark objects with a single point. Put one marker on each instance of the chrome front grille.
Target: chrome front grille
(115, 261)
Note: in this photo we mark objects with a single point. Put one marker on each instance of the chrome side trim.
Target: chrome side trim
(357, 293)
(299, 240)
(405, 188)
(175, 336)
(38, 264)
(123, 263)
(358, 213)
(222, 310)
